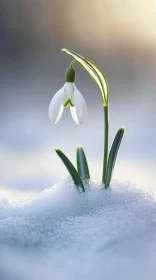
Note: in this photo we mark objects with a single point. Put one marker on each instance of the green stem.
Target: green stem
(72, 63)
(106, 132)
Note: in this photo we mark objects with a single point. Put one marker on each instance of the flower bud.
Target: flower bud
(70, 75)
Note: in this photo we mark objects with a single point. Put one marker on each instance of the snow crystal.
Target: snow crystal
(65, 234)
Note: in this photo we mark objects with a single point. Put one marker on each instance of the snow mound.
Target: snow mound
(66, 234)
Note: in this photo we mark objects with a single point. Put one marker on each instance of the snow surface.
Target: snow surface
(65, 234)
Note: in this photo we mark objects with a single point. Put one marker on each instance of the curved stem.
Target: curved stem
(72, 63)
(106, 131)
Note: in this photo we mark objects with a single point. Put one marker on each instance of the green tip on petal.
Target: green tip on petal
(70, 75)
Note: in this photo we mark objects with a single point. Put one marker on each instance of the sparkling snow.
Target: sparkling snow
(65, 234)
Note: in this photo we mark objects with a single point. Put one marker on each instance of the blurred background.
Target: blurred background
(120, 36)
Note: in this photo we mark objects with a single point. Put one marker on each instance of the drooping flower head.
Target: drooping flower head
(68, 95)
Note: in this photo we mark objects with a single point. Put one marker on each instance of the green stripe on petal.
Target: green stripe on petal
(68, 102)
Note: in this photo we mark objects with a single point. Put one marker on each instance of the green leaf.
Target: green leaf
(101, 77)
(70, 167)
(95, 73)
(113, 154)
(82, 165)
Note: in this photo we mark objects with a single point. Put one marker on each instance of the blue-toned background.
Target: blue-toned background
(120, 37)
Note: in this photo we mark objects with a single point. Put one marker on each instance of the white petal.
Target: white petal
(79, 111)
(59, 114)
(56, 107)
(69, 92)
(74, 115)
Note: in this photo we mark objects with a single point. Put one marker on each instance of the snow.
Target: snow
(65, 234)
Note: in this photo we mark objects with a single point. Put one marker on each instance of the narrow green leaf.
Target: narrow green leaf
(95, 73)
(113, 154)
(82, 165)
(102, 78)
(70, 167)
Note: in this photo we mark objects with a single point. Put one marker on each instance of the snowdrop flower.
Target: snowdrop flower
(68, 95)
